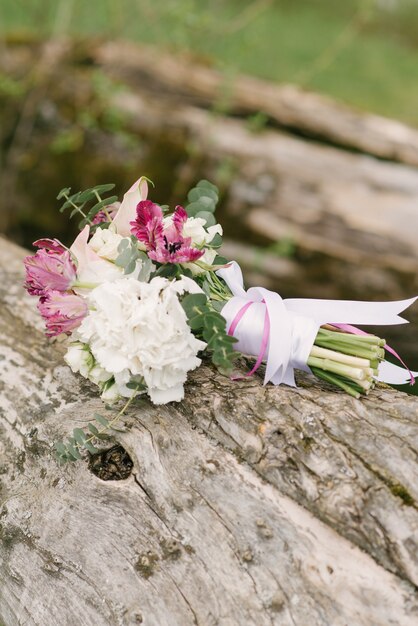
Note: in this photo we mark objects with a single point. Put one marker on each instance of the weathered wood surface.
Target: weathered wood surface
(246, 505)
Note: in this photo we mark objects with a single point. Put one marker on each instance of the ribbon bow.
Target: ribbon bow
(284, 331)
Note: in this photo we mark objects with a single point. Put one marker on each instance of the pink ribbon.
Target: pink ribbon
(264, 341)
(356, 331)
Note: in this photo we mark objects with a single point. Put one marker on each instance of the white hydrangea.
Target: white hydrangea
(140, 329)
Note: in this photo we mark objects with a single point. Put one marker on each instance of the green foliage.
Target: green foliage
(67, 140)
(71, 450)
(82, 441)
(257, 122)
(211, 326)
(11, 87)
(82, 202)
(129, 255)
(202, 201)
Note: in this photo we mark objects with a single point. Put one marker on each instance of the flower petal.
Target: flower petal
(127, 210)
(148, 225)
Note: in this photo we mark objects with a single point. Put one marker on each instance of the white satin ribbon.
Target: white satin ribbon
(294, 324)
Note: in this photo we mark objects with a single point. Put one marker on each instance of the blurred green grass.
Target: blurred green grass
(363, 52)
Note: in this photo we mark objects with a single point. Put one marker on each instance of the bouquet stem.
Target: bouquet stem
(348, 361)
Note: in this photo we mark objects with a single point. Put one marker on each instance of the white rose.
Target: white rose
(99, 375)
(194, 227)
(79, 359)
(110, 394)
(141, 329)
(105, 243)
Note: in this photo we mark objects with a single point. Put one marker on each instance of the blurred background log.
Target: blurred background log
(346, 219)
(243, 504)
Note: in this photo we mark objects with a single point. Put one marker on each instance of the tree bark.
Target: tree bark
(245, 504)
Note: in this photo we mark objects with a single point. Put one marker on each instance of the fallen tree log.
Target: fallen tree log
(286, 106)
(242, 504)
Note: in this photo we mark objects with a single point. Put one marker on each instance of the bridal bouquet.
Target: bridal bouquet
(142, 294)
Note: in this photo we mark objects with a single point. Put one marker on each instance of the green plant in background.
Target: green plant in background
(11, 88)
(101, 115)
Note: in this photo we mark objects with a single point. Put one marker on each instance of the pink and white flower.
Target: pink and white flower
(92, 269)
(51, 268)
(164, 243)
(127, 209)
(62, 312)
(103, 216)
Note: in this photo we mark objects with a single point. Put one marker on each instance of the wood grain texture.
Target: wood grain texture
(246, 505)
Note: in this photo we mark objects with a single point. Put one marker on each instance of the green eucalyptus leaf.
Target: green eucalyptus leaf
(79, 436)
(102, 420)
(92, 428)
(104, 188)
(207, 184)
(169, 270)
(194, 304)
(197, 322)
(216, 241)
(209, 218)
(91, 448)
(60, 448)
(130, 267)
(146, 269)
(195, 194)
(124, 244)
(194, 208)
(220, 260)
(214, 319)
(207, 204)
(73, 453)
(86, 195)
(64, 192)
(100, 205)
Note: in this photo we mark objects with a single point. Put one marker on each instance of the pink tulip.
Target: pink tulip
(103, 216)
(52, 245)
(52, 267)
(164, 244)
(62, 312)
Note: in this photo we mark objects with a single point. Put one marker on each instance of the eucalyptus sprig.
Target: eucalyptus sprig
(81, 202)
(128, 256)
(211, 327)
(202, 203)
(83, 440)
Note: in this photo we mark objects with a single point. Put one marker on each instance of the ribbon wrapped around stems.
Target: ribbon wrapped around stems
(284, 331)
